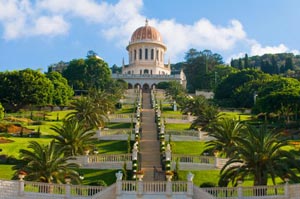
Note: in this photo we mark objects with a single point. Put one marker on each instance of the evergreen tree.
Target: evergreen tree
(246, 61)
(289, 64)
(275, 69)
(240, 64)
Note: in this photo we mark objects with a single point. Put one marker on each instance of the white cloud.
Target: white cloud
(201, 35)
(257, 49)
(50, 26)
(24, 18)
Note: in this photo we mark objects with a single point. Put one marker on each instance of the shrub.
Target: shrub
(208, 184)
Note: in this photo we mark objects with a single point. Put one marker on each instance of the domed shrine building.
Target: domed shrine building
(147, 67)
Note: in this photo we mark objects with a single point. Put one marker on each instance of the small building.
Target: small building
(146, 67)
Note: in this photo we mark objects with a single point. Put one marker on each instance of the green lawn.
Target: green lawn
(12, 149)
(94, 175)
(57, 115)
(118, 125)
(184, 147)
(236, 115)
(171, 112)
(6, 171)
(125, 109)
(111, 147)
(200, 177)
(45, 127)
(178, 127)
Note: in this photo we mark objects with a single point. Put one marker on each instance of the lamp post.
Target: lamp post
(254, 97)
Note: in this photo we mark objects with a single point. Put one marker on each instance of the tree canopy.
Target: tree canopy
(46, 163)
(62, 91)
(84, 74)
(259, 153)
(197, 67)
(24, 88)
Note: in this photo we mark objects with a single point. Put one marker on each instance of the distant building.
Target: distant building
(59, 67)
(146, 68)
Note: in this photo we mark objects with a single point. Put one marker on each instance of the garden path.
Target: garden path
(149, 145)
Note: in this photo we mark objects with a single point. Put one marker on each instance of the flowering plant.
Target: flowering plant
(140, 172)
(169, 173)
(22, 173)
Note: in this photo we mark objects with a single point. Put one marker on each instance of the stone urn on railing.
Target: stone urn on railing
(169, 175)
(140, 175)
(22, 175)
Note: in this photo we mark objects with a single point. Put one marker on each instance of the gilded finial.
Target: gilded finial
(146, 22)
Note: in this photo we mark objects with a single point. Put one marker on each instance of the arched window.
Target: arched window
(146, 71)
(134, 54)
(151, 72)
(157, 55)
(146, 53)
(161, 56)
(152, 54)
(140, 54)
(130, 56)
(141, 72)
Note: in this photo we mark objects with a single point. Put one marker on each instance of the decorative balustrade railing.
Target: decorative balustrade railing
(110, 132)
(29, 189)
(161, 189)
(109, 158)
(155, 187)
(172, 116)
(121, 116)
(277, 191)
(194, 159)
(185, 133)
(39, 187)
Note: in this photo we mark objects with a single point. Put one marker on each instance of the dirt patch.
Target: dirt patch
(5, 140)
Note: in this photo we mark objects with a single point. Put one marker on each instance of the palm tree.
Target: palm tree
(46, 163)
(260, 154)
(209, 113)
(93, 109)
(225, 131)
(75, 136)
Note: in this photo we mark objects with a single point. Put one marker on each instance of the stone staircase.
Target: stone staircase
(149, 145)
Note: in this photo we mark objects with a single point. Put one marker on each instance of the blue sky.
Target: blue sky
(35, 34)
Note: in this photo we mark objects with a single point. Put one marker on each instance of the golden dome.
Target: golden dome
(146, 33)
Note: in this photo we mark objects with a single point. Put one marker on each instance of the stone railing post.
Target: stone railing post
(168, 153)
(98, 133)
(190, 185)
(169, 188)
(86, 157)
(135, 152)
(189, 118)
(21, 186)
(68, 187)
(140, 188)
(119, 176)
(240, 190)
(286, 187)
(200, 134)
(216, 162)
(174, 106)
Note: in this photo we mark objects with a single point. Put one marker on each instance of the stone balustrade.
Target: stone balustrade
(109, 158)
(123, 189)
(197, 162)
(104, 161)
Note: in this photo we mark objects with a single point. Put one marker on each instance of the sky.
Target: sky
(37, 33)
